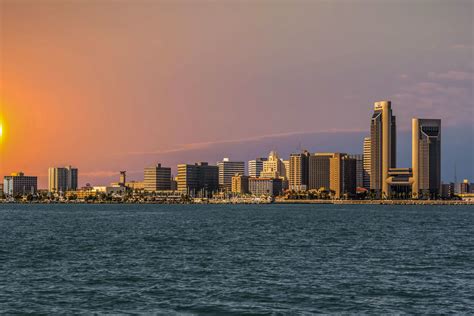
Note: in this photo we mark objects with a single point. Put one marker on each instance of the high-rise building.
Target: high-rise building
(359, 169)
(227, 169)
(273, 167)
(426, 157)
(319, 171)
(240, 184)
(299, 171)
(383, 147)
(265, 186)
(366, 175)
(256, 166)
(19, 184)
(447, 190)
(199, 179)
(342, 175)
(157, 178)
(62, 179)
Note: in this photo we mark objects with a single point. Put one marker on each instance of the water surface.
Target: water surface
(236, 259)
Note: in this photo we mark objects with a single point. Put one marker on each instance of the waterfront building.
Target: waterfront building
(359, 169)
(298, 171)
(342, 175)
(426, 157)
(256, 167)
(157, 178)
(19, 184)
(367, 161)
(62, 179)
(319, 171)
(382, 147)
(227, 169)
(240, 184)
(273, 167)
(199, 179)
(265, 186)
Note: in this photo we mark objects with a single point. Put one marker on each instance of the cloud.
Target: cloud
(452, 75)
(445, 95)
(257, 138)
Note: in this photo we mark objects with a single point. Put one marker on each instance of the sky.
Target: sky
(120, 85)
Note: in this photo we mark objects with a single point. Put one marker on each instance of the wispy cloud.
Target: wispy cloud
(452, 75)
(257, 138)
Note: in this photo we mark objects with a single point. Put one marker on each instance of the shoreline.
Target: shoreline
(277, 201)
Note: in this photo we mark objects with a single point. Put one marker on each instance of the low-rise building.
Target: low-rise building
(265, 186)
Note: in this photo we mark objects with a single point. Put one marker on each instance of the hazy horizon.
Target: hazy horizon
(108, 86)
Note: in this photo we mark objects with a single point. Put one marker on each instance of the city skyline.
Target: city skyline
(107, 87)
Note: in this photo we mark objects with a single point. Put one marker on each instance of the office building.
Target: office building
(199, 179)
(382, 147)
(265, 186)
(256, 167)
(366, 175)
(319, 171)
(359, 169)
(62, 179)
(240, 184)
(227, 169)
(342, 175)
(157, 178)
(426, 158)
(298, 171)
(19, 184)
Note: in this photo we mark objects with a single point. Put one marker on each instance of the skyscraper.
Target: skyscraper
(157, 178)
(426, 157)
(256, 166)
(298, 171)
(228, 169)
(199, 179)
(366, 175)
(382, 147)
(62, 179)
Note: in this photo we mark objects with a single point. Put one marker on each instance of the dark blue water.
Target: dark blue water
(263, 259)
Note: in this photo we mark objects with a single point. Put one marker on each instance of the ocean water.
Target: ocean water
(236, 259)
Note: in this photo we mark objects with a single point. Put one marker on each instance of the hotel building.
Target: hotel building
(19, 184)
(62, 179)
